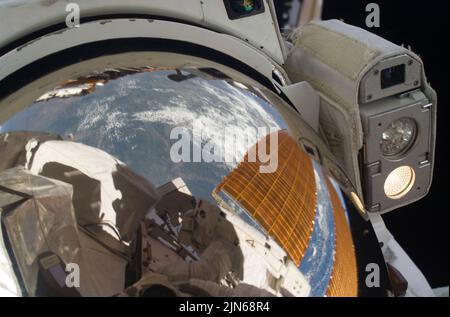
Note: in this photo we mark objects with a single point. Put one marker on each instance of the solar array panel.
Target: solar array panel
(283, 202)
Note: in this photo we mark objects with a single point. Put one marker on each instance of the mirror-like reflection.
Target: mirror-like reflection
(200, 169)
(133, 116)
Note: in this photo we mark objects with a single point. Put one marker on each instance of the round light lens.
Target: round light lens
(399, 182)
(398, 137)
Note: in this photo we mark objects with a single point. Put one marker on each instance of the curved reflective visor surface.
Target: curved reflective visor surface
(221, 140)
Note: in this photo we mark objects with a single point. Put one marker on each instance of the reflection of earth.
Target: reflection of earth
(133, 122)
(132, 117)
(317, 264)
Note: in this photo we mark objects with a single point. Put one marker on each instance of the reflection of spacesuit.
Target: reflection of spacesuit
(86, 208)
(94, 215)
(214, 237)
(207, 230)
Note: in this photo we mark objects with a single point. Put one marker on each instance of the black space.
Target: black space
(421, 228)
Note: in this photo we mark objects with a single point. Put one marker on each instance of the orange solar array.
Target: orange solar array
(283, 202)
(344, 278)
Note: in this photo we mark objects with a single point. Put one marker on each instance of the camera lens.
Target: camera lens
(392, 76)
